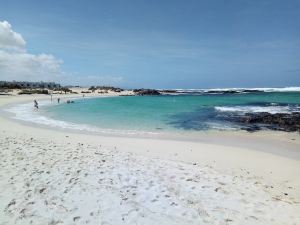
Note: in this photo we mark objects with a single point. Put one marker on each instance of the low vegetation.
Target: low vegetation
(63, 89)
(105, 88)
(33, 91)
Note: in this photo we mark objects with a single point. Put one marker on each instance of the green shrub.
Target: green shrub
(33, 91)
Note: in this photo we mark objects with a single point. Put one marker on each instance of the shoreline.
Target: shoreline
(289, 143)
(259, 140)
(270, 159)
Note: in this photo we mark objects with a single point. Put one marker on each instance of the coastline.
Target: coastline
(270, 158)
(282, 143)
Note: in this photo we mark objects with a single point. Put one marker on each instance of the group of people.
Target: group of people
(36, 104)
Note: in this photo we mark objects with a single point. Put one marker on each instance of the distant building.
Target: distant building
(25, 84)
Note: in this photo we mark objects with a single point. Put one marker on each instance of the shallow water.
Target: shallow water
(170, 112)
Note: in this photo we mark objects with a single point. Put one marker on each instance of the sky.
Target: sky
(152, 44)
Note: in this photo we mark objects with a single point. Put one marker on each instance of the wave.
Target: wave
(26, 113)
(238, 90)
(273, 109)
(284, 89)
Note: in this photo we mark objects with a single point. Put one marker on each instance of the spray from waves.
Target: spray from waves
(284, 89)
(234, 90)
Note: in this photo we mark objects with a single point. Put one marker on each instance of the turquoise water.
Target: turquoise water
(171, 113)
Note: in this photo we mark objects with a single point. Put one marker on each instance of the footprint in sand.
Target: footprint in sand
(59, 222)
(76, 218)
(204, 215)
(105, 223)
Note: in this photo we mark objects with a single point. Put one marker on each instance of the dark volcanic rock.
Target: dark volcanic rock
(278, 121)
(232, 91)
(222, 92)
(146, 92)
(170, 91)
(252, 91)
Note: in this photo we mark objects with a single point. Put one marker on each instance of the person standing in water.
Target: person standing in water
(58, 100)
(36, 104)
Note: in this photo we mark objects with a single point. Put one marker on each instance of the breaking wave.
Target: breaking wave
(273, 109)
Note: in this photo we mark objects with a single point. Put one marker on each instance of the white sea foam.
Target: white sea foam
(26, 112)
(284, 89)
(273, 109)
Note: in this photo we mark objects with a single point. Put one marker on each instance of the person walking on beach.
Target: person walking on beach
(36, 104)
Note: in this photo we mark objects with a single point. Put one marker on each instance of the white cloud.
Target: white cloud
(28, 67)
(9, 38)
(17, 64)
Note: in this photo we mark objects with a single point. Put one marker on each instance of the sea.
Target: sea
(179, 111)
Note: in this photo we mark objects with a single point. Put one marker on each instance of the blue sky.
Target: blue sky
(163, 44)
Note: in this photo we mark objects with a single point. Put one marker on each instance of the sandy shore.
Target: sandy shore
(62, 177)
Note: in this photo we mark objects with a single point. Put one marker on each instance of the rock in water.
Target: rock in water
(146, 92)
(278, 121)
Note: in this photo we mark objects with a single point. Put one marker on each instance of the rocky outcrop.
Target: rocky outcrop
(170, 91)
(146, 92)
(279, 121)
(232, 91)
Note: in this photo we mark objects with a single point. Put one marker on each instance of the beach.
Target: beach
(56, 176)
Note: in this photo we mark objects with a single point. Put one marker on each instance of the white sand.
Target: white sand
(59, 177)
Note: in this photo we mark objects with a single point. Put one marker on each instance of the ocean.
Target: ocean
(183, 111)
